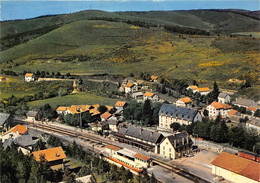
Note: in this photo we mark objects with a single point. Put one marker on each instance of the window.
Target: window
(163, 147)
(166, 143)
(170, 149)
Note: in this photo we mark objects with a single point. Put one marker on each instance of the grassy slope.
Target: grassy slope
(119, 48)
(75, 99)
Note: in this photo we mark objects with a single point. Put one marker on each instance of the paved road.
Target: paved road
(166, 176)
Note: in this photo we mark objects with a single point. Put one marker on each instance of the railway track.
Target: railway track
(83, 136)
(179, 171)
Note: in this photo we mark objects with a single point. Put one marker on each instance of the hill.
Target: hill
(134, 42)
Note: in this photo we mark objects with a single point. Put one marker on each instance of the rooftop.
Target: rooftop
(245, 102)
(193, 87)
(3, 118)
(203, 89)
(62, 108)
(31, 113)
(239, 165)
(149, 94)
(115, 148)
(49, 155)
(29, 74)
(218, 105)
(142, 157)
(18, 128)
(174, 111)
(106, 115)
(127, 152)
(222, 95)
(120, 104)
(185, 100)
(129, 85)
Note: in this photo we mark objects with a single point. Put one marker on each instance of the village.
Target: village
(129, 135)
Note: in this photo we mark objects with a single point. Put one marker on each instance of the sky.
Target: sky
(12, 10)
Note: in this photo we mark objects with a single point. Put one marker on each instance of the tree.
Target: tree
(257, 113)
(102, 109)
(147, 112)
(214, 94)
(131, 74)
(175, 126)
(68, 177)
(68, 74)
(163, 90)
(153, 179)
(40, 145)
(206, 113)
(236, 136)
(57, 74)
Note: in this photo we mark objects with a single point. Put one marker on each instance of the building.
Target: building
(151, 96)
(130, 88)
(31, 115)
(130, 159)
(24, 143)
(28, 77)
(120, 105)
(154, 78)
(203, 91)
(175, 146)
(216, 108)
(105, 116)
(192, 87)
(141, 138)
(137, 95)
(61, 109)
(111, 125)
(251, 109)
(184, 102)
(254, 124)
(54, 157)
(234, 115)
(236, 169)
(5, 121)
(245, 102)
(2, 78)
(169, 114)
(223, 98)
(14, 132)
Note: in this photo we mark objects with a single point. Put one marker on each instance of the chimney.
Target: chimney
(174, 143)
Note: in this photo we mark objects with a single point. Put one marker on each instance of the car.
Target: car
(189, 155)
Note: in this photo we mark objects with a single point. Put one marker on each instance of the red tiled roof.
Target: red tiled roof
(149, 94)
(218, 105)
(186, 100)
(129, 85)
(106, 115)
(232, 112)
(52, 154)
(115, 148)
(193, 87)
(239, 165)
(250, 108)
(62, 108)
(120, 104)
(28, 74)
(154, 77)
(203, 89)
(18, 128)
(124, 164)
(142, 157)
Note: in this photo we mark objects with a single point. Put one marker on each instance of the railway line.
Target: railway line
(83, 136)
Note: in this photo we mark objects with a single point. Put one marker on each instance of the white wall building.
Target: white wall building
(216, 108)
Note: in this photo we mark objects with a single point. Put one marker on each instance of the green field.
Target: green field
(81, 45)
(74, 99)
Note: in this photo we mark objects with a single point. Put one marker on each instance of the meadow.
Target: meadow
(74, 99)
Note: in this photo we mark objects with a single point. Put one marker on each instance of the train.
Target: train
(249, 155)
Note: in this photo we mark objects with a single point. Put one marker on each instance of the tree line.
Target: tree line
(171, 28)
(217, 131)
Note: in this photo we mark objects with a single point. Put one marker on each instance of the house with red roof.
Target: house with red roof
(54, 157)
(130, 88)
(236, 169)
(14, 132)
(184, 102)
(28, 77)
(216, 108)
